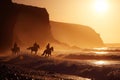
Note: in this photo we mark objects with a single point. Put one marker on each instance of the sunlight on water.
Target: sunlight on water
(103, 48)
(101, 52)
(71, 77)
(101, 62)
(88, 79)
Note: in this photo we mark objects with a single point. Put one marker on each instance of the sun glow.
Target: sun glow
(100, 62)
(100, 53)
(101, 6)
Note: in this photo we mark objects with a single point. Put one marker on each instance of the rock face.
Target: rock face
(27, 24)
(7, 22)
(23, 24)
(32, 25)
(76, 35)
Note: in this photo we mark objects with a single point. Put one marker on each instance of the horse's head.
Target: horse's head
(52, 49)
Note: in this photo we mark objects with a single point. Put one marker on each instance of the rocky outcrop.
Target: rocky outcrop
(32, 25)
(76, 35)
(27, 24)
(7, 22)
(23, 24)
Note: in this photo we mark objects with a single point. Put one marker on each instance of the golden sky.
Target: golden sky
(101, 15)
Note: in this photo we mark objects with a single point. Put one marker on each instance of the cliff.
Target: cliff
(76, 35)
(7, 22)
(28, 24)
(23, 24)
(32, 25)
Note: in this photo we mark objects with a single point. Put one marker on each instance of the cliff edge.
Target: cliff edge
(28, 24)
(76, 35)
(23, 24)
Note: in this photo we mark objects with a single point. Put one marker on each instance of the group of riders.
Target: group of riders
(34, 48)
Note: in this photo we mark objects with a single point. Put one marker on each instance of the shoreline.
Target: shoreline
(57, 67)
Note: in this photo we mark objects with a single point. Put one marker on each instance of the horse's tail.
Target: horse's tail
(44, 53)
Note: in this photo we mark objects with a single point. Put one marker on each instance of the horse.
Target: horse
(47, 52)
(15, 50)
(33, 49)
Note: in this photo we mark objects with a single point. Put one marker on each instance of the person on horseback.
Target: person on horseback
(34, 48)
(48, 50)
(15, 45)
(35, 45)
(48, 46)
(15, 48)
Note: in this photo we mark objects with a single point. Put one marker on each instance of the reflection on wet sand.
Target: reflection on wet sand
(101, 62)
(101, 53)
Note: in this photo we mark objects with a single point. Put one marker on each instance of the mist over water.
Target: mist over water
(106, 56)
(81, 62)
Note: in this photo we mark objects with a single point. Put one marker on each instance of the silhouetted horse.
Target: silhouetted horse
(47, 52)
(15, 50)
(33, 49)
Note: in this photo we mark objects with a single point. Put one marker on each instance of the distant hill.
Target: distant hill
(76, 35)
(112, 44)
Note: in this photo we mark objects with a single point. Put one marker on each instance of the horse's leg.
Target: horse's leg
(45, 54)
(48, 54)
(35, 52)
(15, 53)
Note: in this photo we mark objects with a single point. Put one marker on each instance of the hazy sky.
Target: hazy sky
(101, 15)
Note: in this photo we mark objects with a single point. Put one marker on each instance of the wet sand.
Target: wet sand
(14, 68)
(52, 68)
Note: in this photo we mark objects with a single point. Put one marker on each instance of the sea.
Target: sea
(104, 56)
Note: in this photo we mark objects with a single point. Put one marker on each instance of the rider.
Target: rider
(35, 45)
(15, 45)
(48, 50)
(48, 46)
(15, 48)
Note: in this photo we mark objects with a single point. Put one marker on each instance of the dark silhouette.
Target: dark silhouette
(11, 14)
(15, 49)
(36, 45)
(48, 50)
(7, 23)
(34, 48)
(48, 46)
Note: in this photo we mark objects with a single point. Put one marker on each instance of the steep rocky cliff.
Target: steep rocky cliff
(76, 35)
(27, 24)
(32, 25)
(23, 24)
(7, 22)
